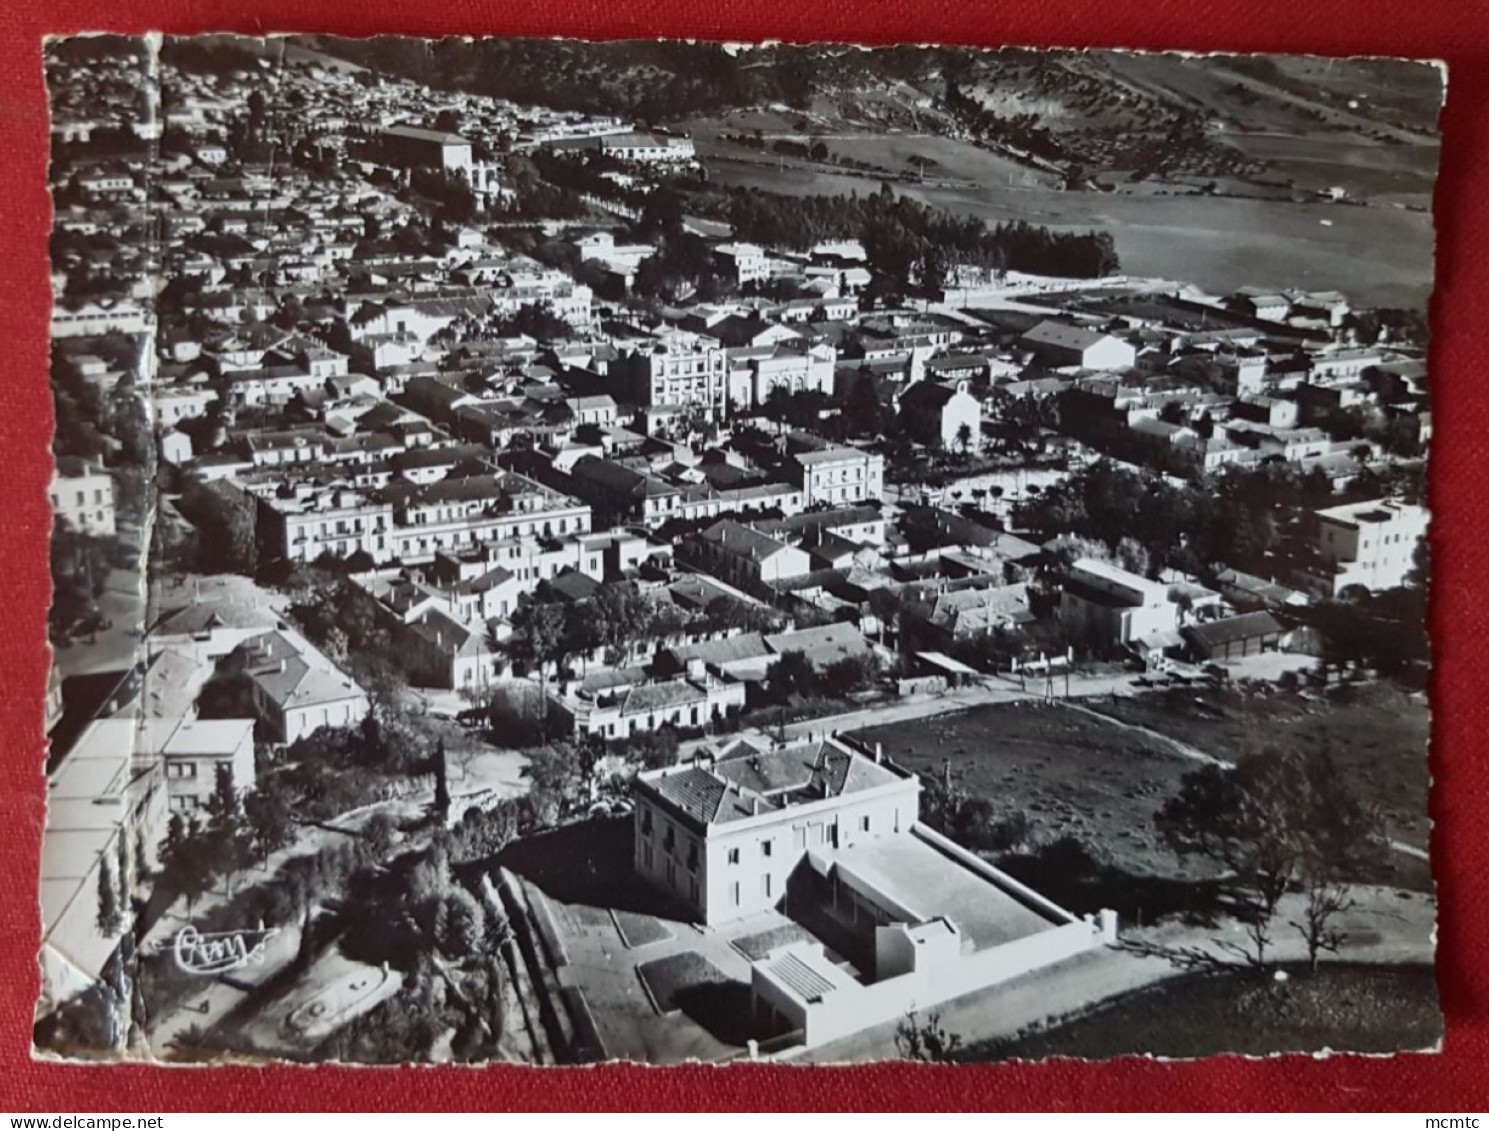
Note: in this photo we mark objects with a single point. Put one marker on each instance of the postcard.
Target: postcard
(669, 551)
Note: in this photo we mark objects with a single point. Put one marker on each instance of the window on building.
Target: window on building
(692, 858)
(863, 824)
(646, 822)
(734, 893)
(734, 856)
(765, 848)
(669, 839)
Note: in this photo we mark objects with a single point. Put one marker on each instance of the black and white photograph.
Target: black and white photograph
(674, 552)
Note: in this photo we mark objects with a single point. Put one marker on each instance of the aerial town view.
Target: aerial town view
(671, 552)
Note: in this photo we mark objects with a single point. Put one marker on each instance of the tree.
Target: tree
(224, 806)
(963, 437)
(926, 1040)
(462, 923)
(790, 677)
(226, 525)
(652, 749)
(224, 848)
(1239, 817)
(538, 633)
(187, 860)
(560, 773)
(110, 914)
(269, 822)
(378, 834)
(441, 782)
(1324, 901)
(1133, 556)
(128, 872)
(1275, 819)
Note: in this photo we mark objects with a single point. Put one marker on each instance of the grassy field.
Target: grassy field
(1377, 732)
(1371, 1009)
(1218, 243)
(1072, 773)
(1069, 772)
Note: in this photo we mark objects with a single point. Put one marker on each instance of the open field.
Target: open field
(1363, 166)
(1217, 243)
(1069, 772)
(947, 157)
(1078, 773)
(1350, 1008)
(1377, 732)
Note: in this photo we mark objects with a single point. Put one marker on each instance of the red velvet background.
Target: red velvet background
(1453, 1080)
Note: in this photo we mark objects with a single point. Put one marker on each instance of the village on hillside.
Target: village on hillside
(560, 577)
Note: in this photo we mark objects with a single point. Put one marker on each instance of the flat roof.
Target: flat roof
(920, 879)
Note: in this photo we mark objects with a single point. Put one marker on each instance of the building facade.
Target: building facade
(1372, 544)
(725, 838)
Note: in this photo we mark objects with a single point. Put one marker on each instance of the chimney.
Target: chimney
(879, 753)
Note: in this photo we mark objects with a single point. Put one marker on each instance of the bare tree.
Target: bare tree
(1325, 900)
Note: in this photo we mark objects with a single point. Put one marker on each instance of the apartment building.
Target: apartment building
(1372, 544)
(681, 371)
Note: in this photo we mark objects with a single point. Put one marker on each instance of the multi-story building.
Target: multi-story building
(82, 496)
(650, 149)
(194, 751)
(834, 474)
(412, 147)
(829, 836)
(691, 701)
(302, 521)
(105, 802)
(94, 318)
(1115, 606)
(746, 558)
(755, 372)
(746, 262)
(682, 371)
(456, 514)
(725, 838)
(1372, 544)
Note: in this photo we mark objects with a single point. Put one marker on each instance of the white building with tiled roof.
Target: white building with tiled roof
(724, 838)
(296, 690)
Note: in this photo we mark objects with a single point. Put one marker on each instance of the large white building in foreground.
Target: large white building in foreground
(831, 836)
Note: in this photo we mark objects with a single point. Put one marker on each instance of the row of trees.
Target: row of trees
(913, 243)
(548, 630)
(1200, 526)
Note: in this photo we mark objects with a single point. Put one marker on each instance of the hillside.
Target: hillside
(1242, 124)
